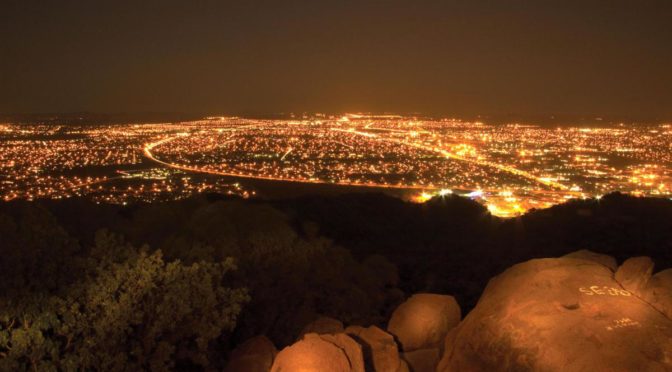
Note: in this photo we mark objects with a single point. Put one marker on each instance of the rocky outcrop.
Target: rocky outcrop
(602, 259)
(580, 312)
(423, 321)
(563, 314)
(321, 353)
(253, 355)
(381, 352)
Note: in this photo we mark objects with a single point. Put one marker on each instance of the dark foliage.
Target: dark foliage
(175, 285)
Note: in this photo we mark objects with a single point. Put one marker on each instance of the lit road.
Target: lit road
(150, 146)
(450, 155)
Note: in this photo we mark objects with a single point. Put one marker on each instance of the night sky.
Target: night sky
(435, 57)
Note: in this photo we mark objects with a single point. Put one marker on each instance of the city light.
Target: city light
(509, 168)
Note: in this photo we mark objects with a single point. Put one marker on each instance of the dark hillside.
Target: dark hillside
(100, 286)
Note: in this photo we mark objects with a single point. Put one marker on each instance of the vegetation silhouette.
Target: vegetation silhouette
(178, 285)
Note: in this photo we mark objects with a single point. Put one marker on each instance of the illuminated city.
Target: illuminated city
(509, 168)
(336, 186)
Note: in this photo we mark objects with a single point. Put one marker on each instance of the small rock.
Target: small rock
(635, 273)
(253, 355)
(423, 321)
(381, 352)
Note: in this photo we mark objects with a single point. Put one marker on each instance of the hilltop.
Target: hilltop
(138, 281)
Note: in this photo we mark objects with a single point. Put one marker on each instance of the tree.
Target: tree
(131, 310)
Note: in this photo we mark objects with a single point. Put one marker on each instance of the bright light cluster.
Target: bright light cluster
(510, 168)
(105, 163)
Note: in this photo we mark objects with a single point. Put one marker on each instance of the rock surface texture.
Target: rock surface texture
(565, 314)
(422, 360)
(603, 259)
(658, 292)
(321, 353)
(635, 273)
(423, 321)
(381, 352)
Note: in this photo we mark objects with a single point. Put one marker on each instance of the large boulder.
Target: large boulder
(321, 353)
(253, 355)
(381, 353)
(560, 314)
(635, 273)
(602, 259)
(423, 321)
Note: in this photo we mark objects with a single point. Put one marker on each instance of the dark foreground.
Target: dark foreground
(179, 285)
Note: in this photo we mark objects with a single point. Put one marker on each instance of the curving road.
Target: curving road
(150, 146)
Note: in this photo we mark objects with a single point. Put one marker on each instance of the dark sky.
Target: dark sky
(607, 57)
